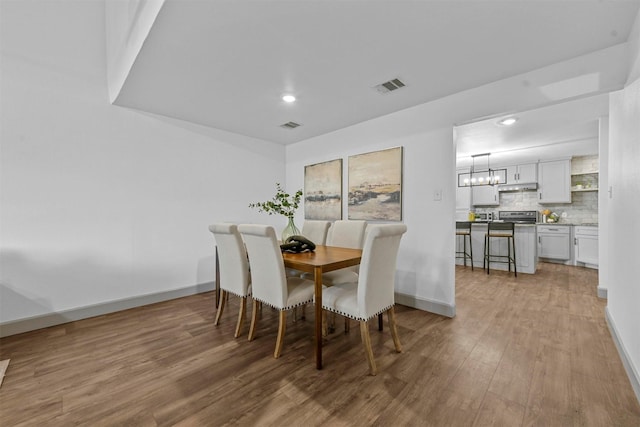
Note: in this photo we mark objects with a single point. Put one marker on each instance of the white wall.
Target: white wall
(624, 178)
(603, 208)
(621, 230)
(100, 203)
(425, 267)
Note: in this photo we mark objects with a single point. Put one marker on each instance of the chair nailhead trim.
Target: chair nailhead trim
(289, 307)
(357, 318)
(238, 295)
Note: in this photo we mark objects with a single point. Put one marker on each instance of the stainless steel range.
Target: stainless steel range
(519, 217)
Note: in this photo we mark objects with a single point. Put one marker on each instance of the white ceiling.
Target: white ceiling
(560, 130)
(225, 64)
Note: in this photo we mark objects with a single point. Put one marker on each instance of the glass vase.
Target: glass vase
(289, 230)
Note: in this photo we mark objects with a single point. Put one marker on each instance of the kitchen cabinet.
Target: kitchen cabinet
(554, 181)
(586, 245)
(554, 242)
(522, 174)
(485, 195)
(463, 194)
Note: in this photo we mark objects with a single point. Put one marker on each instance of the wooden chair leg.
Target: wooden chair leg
(295, 314)
(241, 314)
(324, 323)
(281, 328)
(220, 307)
(347, 325)
(303, 316)
(391, 315)
(254, 320)
(332, 322)
(366, 341)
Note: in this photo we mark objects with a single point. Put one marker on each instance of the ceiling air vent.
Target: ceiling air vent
(290, 125)
(389, 86)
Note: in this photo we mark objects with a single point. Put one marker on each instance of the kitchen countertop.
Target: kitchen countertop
(581, 224)
(518, 224)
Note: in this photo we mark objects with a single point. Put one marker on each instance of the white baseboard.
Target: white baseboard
(602, 292)
(432, 306)
(51, 319)
(632, 373)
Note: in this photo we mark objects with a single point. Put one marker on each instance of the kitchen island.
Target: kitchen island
(525, 242)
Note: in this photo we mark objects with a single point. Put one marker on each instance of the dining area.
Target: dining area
(348, 271)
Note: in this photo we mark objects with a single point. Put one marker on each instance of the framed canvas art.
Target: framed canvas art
(323, 191)
(375, 185)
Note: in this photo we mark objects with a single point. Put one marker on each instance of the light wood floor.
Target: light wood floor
(528, 351)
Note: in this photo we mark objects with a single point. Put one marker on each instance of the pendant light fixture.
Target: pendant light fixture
(479, 175)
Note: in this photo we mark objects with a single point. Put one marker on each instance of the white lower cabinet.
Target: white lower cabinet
(586, 246)
(525, 242)
(565, 244)
(554, 242)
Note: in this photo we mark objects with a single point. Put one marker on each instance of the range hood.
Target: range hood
(527, 186)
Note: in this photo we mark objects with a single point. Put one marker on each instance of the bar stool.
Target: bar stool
(463, 228)
(501, 230)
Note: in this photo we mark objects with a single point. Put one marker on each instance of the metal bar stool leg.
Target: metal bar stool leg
(488, 253)
(471, 251)
(484, 255)
(515, 269)
(464, 250)
(509, 253)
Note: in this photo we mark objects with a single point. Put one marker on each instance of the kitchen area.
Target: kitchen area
(541, 172)
(554, 205)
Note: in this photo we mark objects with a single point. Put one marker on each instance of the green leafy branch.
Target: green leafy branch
(282, 203)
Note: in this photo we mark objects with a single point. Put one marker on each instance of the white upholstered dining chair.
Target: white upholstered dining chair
(373, 292)
(234, 269)
(344, 234)
(269, 283)
(316, 231)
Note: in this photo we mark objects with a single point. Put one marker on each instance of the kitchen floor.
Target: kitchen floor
(546, 351)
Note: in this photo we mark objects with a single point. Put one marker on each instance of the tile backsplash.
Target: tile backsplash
(585, 164)
(583, 208)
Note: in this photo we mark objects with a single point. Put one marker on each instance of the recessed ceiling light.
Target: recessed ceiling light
(508, 121)
(289, 98)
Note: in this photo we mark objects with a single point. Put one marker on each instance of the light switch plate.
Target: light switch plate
(437, 195)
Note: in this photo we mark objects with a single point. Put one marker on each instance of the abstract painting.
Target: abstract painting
(323, 191)
(375, 185)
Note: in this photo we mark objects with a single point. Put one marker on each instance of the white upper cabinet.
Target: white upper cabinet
(522, 174)
(485, 195)
(554, 181)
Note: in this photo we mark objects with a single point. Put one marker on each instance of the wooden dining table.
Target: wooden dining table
(322, 260)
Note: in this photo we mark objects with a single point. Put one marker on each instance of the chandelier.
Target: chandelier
(479, 175)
